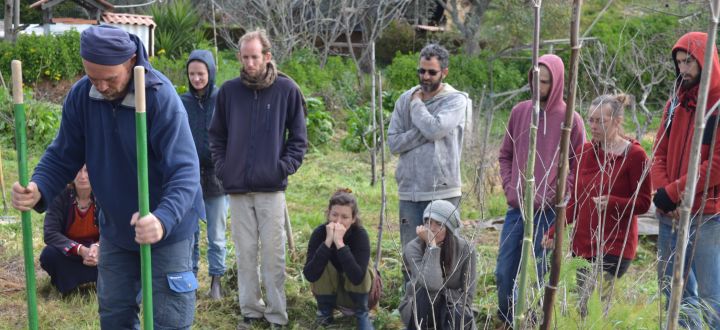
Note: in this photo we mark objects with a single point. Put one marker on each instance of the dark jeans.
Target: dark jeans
(66, 272)
(119, 286)
(508, 260)
(588, 279)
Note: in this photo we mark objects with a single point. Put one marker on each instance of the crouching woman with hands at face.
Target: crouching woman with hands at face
(441, 265)
(337, 262)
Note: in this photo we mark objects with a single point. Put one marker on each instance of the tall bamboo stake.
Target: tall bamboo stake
(383, 203)
(143, 194)
(692, 174)
(529, 193)
(21, 146)
(373, 121)
(563, 168)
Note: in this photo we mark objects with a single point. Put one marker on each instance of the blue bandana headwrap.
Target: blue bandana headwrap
(108, 45)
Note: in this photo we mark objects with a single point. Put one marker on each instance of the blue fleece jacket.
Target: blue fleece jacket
(258, 137)
(101, 133)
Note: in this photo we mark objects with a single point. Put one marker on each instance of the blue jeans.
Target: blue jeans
(119, 286)
(508, 260)
(216, 209)
(701, 297)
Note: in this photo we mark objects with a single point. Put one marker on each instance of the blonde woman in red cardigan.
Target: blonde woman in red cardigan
(612, 188)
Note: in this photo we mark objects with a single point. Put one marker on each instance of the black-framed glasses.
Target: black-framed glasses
(431, 72)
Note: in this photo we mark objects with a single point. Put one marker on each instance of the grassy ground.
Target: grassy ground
(325, 170)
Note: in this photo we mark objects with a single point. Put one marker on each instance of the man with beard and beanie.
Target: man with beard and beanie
(426, 130)
(199, 102)
(98, 128)
(513, 161)
(669, 176)
(257, 139)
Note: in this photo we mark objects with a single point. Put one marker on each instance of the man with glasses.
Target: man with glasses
(426, 131)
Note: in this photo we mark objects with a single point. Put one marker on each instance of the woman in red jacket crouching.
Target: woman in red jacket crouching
(612, 187)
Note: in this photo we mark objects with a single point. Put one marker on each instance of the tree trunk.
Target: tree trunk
(563, 168)
(8, 27)
(529, 193)
(692, 174)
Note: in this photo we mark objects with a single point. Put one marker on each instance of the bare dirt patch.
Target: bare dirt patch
(53, 91)
(11, 276)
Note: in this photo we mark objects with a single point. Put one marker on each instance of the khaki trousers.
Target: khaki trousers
(257, 225)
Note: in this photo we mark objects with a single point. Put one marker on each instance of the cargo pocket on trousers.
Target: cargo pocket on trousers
(182, 282)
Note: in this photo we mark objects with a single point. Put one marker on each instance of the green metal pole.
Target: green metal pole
(21, 146)
(143, 194)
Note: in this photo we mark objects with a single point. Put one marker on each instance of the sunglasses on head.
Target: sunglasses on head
(422, 71)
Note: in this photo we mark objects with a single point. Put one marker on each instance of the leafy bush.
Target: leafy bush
(466, 73)
(174, 69)
(359, 126)
(52, 57)
(336, 82)
(319, 122)
(178, 29)
(42, 121)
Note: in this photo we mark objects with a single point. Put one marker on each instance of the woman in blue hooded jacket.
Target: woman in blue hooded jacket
(199, 103)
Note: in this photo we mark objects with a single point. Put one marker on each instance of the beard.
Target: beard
(687, 84)
(430, 86)
(257, 74)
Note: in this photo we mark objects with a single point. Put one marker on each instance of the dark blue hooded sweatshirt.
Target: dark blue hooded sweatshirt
(200, 109)
(101, 133)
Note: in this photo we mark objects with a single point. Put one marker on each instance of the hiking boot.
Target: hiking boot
(324, 314)
(215, 292)
(248, 322)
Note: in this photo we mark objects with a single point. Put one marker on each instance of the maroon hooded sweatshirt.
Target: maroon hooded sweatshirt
(515, 145)
(673, 140)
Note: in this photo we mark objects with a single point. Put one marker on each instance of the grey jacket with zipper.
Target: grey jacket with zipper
(428, 136)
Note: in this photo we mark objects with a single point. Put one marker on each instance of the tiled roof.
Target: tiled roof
(70, 20)
(129, 19)
(107, 5)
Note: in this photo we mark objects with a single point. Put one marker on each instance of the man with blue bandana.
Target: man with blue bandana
(98, 128)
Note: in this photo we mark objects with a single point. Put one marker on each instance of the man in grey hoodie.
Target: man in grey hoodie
(426, 130)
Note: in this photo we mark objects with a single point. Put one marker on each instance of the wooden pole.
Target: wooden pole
(529, 193)
(217, 60)
(288, 230)
(563, 169)
(2, 184)
(21, 147)
(676, 289)
(143, 193)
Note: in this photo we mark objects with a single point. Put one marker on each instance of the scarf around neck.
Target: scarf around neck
(263, 81)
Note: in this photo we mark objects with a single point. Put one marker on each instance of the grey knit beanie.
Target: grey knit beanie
(444, 212)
